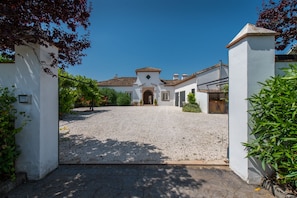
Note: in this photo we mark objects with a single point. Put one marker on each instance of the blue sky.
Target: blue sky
(177, 36)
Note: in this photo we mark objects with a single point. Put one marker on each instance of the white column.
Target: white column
(251, 60)
(38, 140)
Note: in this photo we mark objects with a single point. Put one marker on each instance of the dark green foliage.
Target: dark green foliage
(188, 107)
(87, 90)
(5, 59)
(67, 93)
(8, 147)
(123, 99)
(76, 91)
(274, 126)
(109, 96)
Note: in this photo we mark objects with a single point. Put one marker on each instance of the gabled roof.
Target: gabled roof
(211, 68)
(129, 81)
(118, 82)
(176, 82)
(200, 72)
(148, 69)
(170, 82)
(250, 30)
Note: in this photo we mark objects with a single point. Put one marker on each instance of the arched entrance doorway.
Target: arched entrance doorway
(148, 97)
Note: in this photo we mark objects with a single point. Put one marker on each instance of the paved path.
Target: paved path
(139, 181)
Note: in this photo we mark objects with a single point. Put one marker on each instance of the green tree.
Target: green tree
(67, 92)
(78, 90)
(88, 90)
(123, 99)
(109, 96)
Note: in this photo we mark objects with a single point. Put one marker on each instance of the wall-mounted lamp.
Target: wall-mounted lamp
(25, 99)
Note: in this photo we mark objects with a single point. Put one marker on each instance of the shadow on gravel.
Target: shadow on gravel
(113, 181)
(81, 115)
(76, 149)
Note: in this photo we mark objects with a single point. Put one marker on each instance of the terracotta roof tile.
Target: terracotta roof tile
(176, 82)
(170, 82)
(148, 69)
(118, 82)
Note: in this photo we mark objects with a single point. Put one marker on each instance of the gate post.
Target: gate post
(38, 141)
(251, 60)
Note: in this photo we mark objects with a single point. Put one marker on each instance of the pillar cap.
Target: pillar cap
(251, 30)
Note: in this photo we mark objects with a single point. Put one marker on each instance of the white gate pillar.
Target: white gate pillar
(251, 60)
(38, 140)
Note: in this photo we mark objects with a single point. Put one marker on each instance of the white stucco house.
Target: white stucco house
(148, 87)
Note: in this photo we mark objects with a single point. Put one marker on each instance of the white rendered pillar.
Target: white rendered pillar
(251, 60)
(38, 141)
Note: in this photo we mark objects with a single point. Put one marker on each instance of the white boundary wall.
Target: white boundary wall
(203, 101)
(38, 141)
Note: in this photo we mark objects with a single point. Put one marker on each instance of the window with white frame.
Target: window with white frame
(165, 96)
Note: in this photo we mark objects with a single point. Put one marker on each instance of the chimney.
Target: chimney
(184, 76)
(175, 76)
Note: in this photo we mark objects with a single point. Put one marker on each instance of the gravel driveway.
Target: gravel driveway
(144, 135)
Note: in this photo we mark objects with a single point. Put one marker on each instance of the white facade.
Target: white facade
(38, 140)
(147, 86)
(279, 65)
(183, 89)
(212, 78)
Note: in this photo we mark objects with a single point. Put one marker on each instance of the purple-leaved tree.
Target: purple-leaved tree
(63, 23)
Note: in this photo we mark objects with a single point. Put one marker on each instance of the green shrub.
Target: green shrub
(67, 98)
(191, 98)
(67, 93)
(8, 151)
(123, 99)
(274, 126)
(6, 58)
(109, 96)
(188, 107)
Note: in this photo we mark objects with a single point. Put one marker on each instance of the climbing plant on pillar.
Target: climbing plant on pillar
(8, 147)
